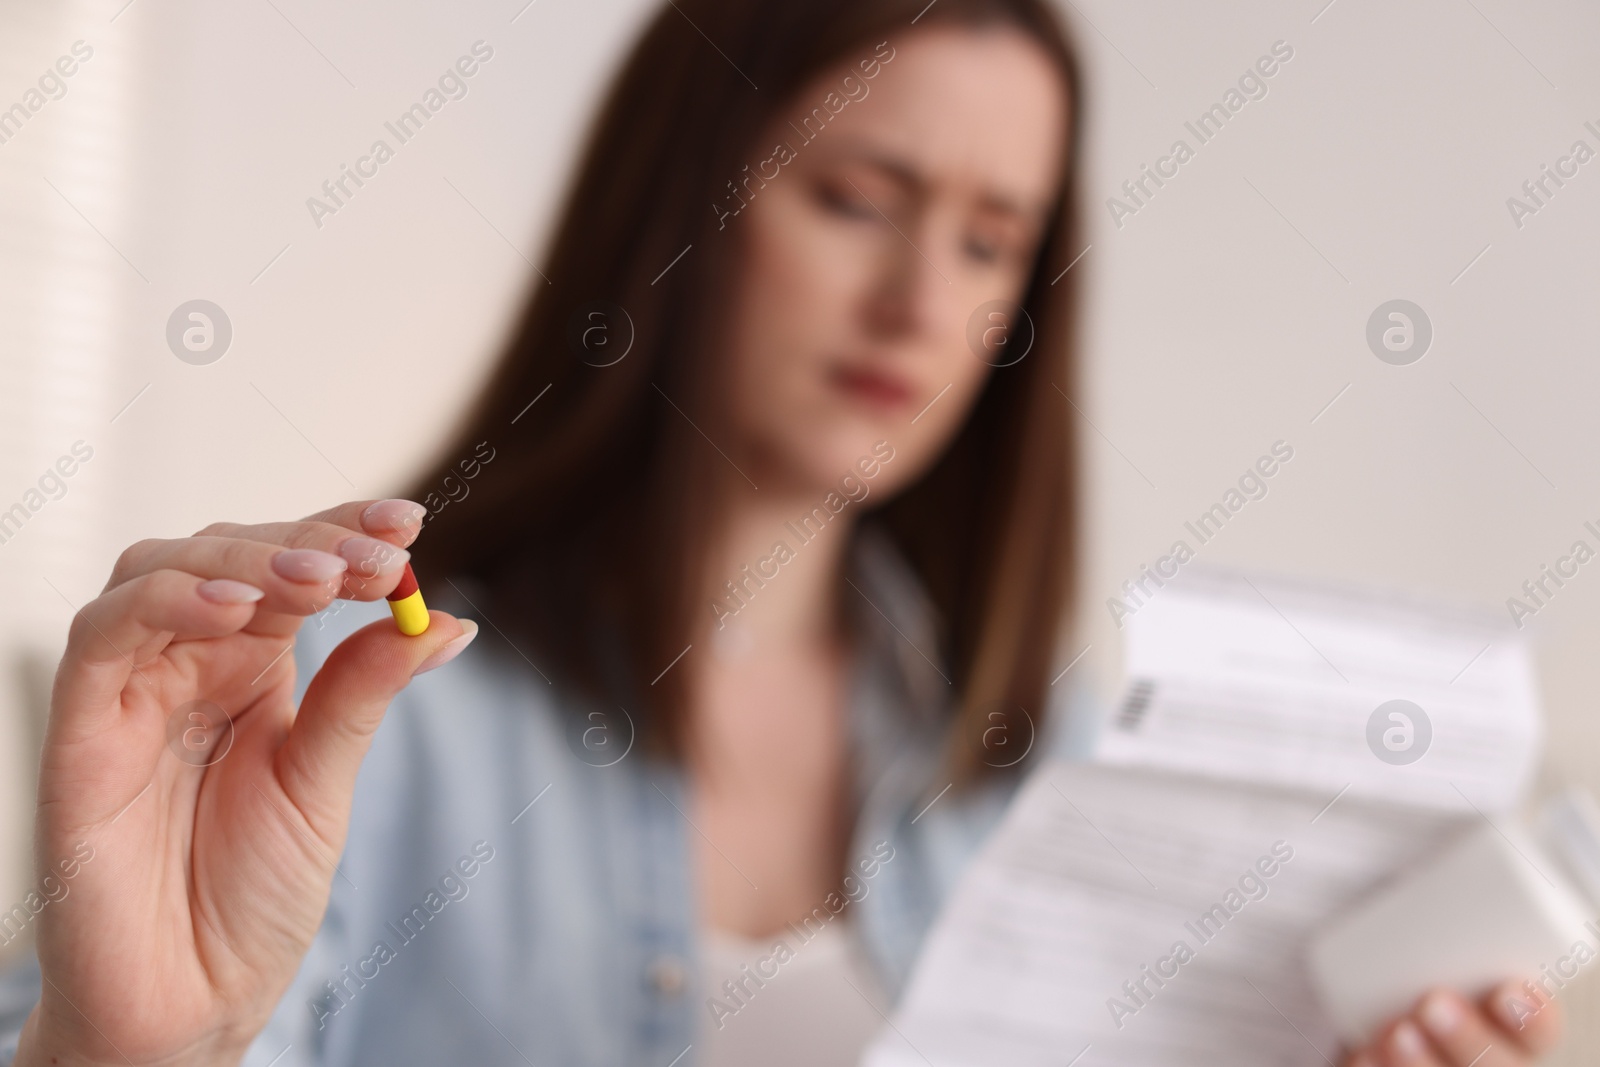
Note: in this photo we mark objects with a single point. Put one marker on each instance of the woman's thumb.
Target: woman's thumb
(346, 701)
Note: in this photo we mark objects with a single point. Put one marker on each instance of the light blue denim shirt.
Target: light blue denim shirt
(518, 887)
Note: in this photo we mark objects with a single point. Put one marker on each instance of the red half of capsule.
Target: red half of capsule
(407, 586)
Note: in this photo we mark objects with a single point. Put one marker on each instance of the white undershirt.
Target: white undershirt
(803, 1014)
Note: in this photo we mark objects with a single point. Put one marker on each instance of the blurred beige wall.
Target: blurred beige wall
(1227, 312)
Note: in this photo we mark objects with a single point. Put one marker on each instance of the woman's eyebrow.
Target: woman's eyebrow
(908, 174)
(1006, 204)
(898, 168)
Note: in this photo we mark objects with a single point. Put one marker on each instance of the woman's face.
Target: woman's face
(921, 194)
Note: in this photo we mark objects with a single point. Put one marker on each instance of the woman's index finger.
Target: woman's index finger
(392, 519)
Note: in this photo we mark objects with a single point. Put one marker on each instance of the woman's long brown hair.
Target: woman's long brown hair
(588, 529)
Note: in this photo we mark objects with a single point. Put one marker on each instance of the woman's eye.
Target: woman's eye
(983, 250)
(843, 200)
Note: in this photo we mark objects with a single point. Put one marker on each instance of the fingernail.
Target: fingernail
(388, 516)
(369, 557)
(1514, 1008)
(1441, 1014)
(1407, 1041)
(307, 565)
(228, 591)
(450, 651)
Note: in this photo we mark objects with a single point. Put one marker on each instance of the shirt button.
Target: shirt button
(668, 974)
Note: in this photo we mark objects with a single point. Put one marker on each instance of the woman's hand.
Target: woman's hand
(1511, 1027)
(196, 859)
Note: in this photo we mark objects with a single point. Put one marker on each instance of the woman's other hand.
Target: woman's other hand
(1511, 1027)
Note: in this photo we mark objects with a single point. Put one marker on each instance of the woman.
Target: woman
(767, 512)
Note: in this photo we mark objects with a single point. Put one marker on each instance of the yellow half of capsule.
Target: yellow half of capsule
(410, 614)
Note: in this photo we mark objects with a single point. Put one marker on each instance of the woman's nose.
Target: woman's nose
(911, 292)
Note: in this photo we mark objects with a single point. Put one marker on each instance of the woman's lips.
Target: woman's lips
(874, 387)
